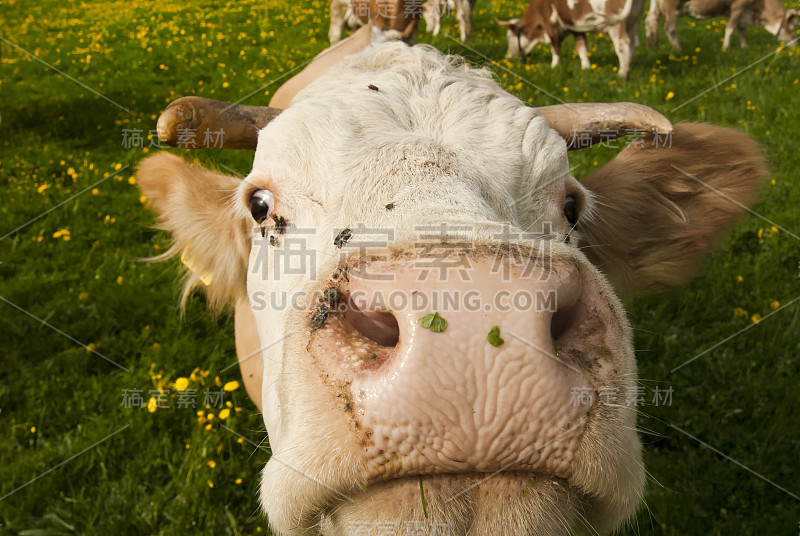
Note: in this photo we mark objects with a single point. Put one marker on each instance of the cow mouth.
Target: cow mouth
(483, 501)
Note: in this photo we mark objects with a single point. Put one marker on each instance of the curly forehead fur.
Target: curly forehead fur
(395, 117)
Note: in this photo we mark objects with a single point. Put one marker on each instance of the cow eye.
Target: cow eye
(261, 202)
(571, 210)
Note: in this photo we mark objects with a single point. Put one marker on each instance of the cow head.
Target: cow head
(521, 40)
(780, 22)
(787, 32)
(436, 294)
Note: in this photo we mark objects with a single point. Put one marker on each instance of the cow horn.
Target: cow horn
(582, 124)
(200, 123)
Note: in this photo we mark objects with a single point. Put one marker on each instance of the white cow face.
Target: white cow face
(401, 191)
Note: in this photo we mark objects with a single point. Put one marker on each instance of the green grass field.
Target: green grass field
(76, 299)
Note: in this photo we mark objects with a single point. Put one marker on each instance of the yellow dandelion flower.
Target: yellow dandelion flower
(775, 305)
(71, 171)
(670, 95)
(760, 233)
(237, 481)
(43, 187)
(231, 386)
(224, 414)
(119, 280)
(774, 229)
(33, 429)
(95, 191)
(152, 404)
(188, 445)
(131, 180)
(208, 427)
(212, 464)
(117, 166)
(91, 347)
(739, 312)
(756, 318)
(201, 420)
(210, 416)
(772, 182)
(239, 440)
(218, 381)
(181, 384)
(200, 412)
(143, 199)
(739, 279)
(210, 484)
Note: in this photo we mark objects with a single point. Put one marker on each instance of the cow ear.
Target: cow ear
(662, 204)
(196, 206)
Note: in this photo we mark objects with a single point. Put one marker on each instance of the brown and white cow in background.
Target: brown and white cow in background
(771, 14)
(398, 17)
(435, 9)
(366, 407)
(549, 21)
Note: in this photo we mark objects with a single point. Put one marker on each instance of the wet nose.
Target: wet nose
(467, 366)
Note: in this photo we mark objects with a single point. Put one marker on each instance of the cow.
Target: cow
(779, 21)
(399, 17)
(434, 9)
(400, 207)
(549, 21)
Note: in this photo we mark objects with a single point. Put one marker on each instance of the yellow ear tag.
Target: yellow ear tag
(206, 278)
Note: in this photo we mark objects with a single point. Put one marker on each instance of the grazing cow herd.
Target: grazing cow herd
(421, 286)
(550, 21)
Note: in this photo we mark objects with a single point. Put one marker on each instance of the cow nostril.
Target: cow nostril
(568, 315)
(562, 322)
(378, 326)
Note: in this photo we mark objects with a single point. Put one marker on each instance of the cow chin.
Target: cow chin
(474, 503)
(478, 504)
